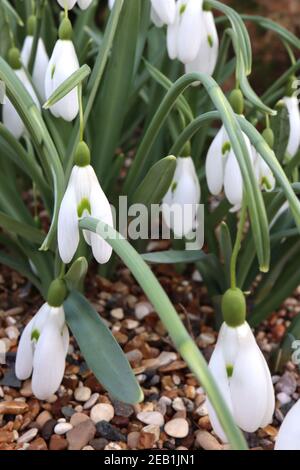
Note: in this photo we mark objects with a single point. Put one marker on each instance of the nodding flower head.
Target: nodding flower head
(84, 196)
(69, 4)
(180, 203)
(288, 437)
(42, 351)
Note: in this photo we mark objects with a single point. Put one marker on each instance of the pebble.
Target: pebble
(110, 432)
(165, 358)
(102, 412)
(81, 435)
(13, 407)
(151, 417)
(26, 390)
(88, 448)
(62, 428)
(67, 411)
(99, 444)
(12, 332)
(48, 428)
(152, 429)
(133, 439)
(82, 394)
(283, 398)
(123, 409)
(178, 428)
(112, 446)
(286, 384)
(58, 443)
(207, 441)
(178, 404)
(42, 418)
(202, 410)
(142, 309)
(28, 436)
(91, 401)
(38, 444)
(117, 313)
(78, 418)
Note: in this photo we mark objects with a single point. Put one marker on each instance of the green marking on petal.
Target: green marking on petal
(174, 186)
(182, 9)
(210, 40)
(229, 370)
(52, 71)
(226, 148)
(84, 205)
(35, 335)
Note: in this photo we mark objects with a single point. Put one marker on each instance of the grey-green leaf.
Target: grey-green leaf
(156, 183)
(101, 351)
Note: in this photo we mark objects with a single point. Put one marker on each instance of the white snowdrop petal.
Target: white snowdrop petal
(206, 59)
(67, 228)
(249, 384)
(111, 3)
(49, 361)
(65, 339)
(40, 65)
(62, 65)
(288, 437)
(156, 19)
(84, 4)
(215, 163)
(294, 117)
(165, 10)
(12, 120)
(189, 33)
(67, 3)
(233, 182)
(172, 33)
(217, 367)
(180, 203)
(100, 208)
(24, 359)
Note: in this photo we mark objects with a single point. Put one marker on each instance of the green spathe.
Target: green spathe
(234, 307)
(237, 102)
(57, 293)
(14, 58)
(65, 31)
(82, 155)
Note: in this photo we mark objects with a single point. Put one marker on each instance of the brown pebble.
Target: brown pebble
(146, 440)
(38, 444)
(13, 408)
(58, 443)
(42, 418)
(207, 441)
(6, 437)
(80, 436)
(204, 423)
(133, 440)
(78, 418)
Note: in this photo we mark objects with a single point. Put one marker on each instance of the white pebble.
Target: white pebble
(151, 417)
(28, 436)
(102, 412)
(177, 428)
(62, 428)
(283, 398)
(82, 394)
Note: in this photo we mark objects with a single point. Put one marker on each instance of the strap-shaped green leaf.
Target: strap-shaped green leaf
(156, 183)
(101, 351)
(68, 85)
(174, 256)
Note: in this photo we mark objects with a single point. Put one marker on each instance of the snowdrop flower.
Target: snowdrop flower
(62, 64)
(206, 59)
(162, 11)
(43, 348)
(84, 196)
(184, 36)
(41, 60)
(288, 437)
(240, 370)
(69, 4)
(223, 170)
(11, 118)
(292, 105)
(179, 206)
